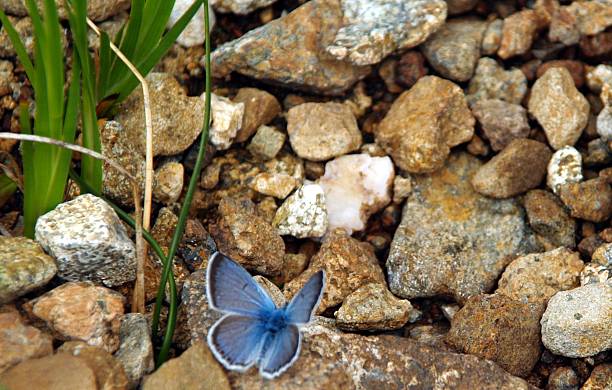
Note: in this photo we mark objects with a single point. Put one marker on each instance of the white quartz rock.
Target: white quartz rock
(303, 214)
(226, 119)
(565, 166)
(356, 186)
(193, 34)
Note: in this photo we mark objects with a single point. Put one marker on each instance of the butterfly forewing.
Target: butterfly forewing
(282, 349)
(303, 304)
(237, 341)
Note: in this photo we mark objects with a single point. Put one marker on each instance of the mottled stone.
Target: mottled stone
(97, 10)
(501, 121)
(240, 7)
(549, 219)
(594, 273)
(518, 33)
(410, 68)
(492, 37)
(260, 107)
(590, 200)
(603, 255)
(195, 315)
(267, 142)
(303, 214)
(492, 81)
(135, 351)
(276, 185)
(460, 6)
(563, 378)
(576, 69)
(600, 378)
(168, 182)
(402, 187)
(227, 117)
(19, 342)
(453, 241)
(580, 18)
(564, 167)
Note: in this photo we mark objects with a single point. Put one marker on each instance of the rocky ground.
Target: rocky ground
(448, 163)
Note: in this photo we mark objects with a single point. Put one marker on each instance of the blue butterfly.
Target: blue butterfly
(253, 330)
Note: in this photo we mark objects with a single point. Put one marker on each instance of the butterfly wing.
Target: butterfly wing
(231, 289)
(282, 350)
(304, 303)
(237, 341)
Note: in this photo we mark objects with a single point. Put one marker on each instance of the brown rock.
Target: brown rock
(580, 18)
(260, 107)
(424, 123)
(550, 219)
(460, 6)
(576, 69)
(19, 342)
(596, 45)
(501, 121)
(518, 33)
(518, 168)
(600, 378)
(410, 68)
(563, 378)
(590, 200)
(492, 81)
(492, 37)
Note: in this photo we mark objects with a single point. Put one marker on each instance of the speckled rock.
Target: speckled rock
(453, 241)
(595, 273)
(603, 255)
(260, 107)
(590, 200)
(82, 311)
(549, 219)
(576, 69)
(194, 32)
(88, 242)
(241, 7)
(500, 329)
(572, 22)
(600, 378)
(501, 121)
(168, 182)
(424, 123)
(492, 37)
(559, 107)
(518, 33)
(537, 277)
(19, 342)
(97, 10)
(578, 322)
(244, 236)
(267, 142)
(279, 177)
(348, 264)
(373, 307)
(460, 6)
(563, 378)
(454, 49)
(520, 167)
(176, 118)
(23, 267)
(303, 214)
(135, 351)
(321, 131)
(564, 167)
(227, 117)
(402, 187)
(492, 81)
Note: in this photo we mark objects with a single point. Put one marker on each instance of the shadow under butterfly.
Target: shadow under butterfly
(253, 330)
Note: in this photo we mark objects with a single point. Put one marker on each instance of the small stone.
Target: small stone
(559, 107)
(598, 77)
(564, 167)
(603, 255)
(518, 33)
(402, 188)
(594, 273)
(260, 108)
(19, 342)
(303, 214)
(97, 10)
(372, 307)
(267, 142)
(294, 265)
(563, 378)
(460, 6)
(492, 81)
(492, 37)
(478, 147)
(356, 186)
(387, 71)
(195, 315)
(535, 278)
(596, 45)
(590, 200)
(23, 267)
(572, 22)
(578, 323)
(267, 208)
(576, 69)
(168, 182)
(348, 264)
(227, 119)
(521, 166)
(598, 153)
(88, 242)
(194, 32)
(500, 329)
(550, 219)
(135, 351)
(418, 131)
(321, 131)
(240, 7)
(600, 378)
(277, 185)
(410, 68)
(501, 121)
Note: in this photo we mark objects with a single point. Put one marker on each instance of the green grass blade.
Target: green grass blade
(157, 13)
(29, 179)
(7, 189)
(129, 39)
(22, 53)
(105, 55)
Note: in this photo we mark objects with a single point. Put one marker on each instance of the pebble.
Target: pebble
(348, 264)
(600, 378)
(578, 19)
(402, 188)
(463, 241)
(356, 186)
(501, 121)
(604, 123)
(260, 108)
(454, 49)
(97, 10)
(88, 242)
(559, 107)
(410, 68)
(564, 167)
(417, 131)
(550, 219)
(576, 69)
(303, 214)
(603, 255)
(518, 168)
(278, 185)
(563, 378)
(194, 32)
(24, 267)
(227, 117)
(322, 131)
(492, 37)
(460, 6)
(492, 81)
(498, 328)
(518, 33)
(267, 142)
(594, 273)
(590, 200)
(372, 307)
(135, 351)
(578, 323)
(240, 7)
(168, 182)
(19, 342)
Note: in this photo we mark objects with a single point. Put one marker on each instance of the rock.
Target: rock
(598, 153)
(594, 273)
(402, 188)
(492, 37)
(559, 107)
(578, 323)
(356, 186)
(303, 214)
(291, 51)
(168, 182)
(500, 329)
(88, 242)
(578, 19)
(321, 131)
(535, 278)
(82, 311)
(576, 69)
(279, 177)
(603, 255)
(54, 372)
(23, 267)
(460, 6)
(177, 119)
(604, 123)
(590, 200)
(196, 368)
(564, 167)
(193, 34)
(227, 117)
(410, 68)
(245, 237)
(267, 142)
(387, 72)
(454, 49)
(501, 121)
(240, 7)
(97, 10)
(273, 291)
(453, 241)
(260, 107)
(348, 264)
(492, 81)
(518, 33)
(108, 371)
(548, 218)
(520, 167)
(424, 123)
(373, 307)
(135, 351)
(600, 378)
(19, 342)
(563, 378)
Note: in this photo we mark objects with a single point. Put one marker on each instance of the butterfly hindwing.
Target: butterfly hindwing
(281, 351)
(303, 304)
(237, 341)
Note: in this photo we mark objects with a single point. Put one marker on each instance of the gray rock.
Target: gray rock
(492, 81)
(303, 214)
(267, 142)
(168, 182)
(194, 33)
(550, 219)
(135, 351)
(501, 121)
(492, 37)
(88, 242)
(97, 10)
